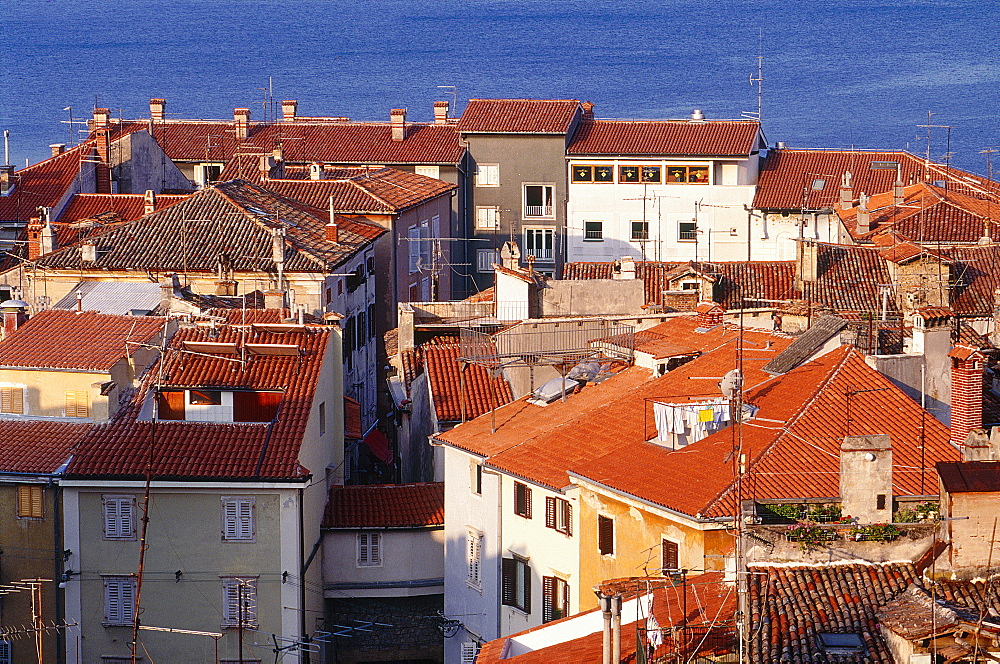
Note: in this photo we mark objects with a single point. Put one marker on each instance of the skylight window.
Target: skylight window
(841, 644)
(818, 184)
(884, 165)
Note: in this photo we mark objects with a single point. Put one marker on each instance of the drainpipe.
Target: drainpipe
(302, 580)
(57, 562)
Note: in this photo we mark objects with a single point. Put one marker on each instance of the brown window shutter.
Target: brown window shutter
(670, 556)
(569, 517)
(24, 500)
(11, 399)
(527, 502)
(605, 535)
(508, 573)
(565, 599)
(550, 513)
(37, 509)
(548, 597)
(527, 588)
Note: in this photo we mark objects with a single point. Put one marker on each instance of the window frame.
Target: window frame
(591, 170)
(555, 598)
(429, 170)
(687, 235)
(559, 515)
(593, 235)
(484, 266)
(12, 400)
(670, 550)
(73, 405)
(369, 549)
(643, 174)
(229, 583)
(515, 573)
(606, 535)
(474, 558)
(125, 589)
(547, 211)
(486, 224)
(685, 171)
(115, 524)
(477, 478)
(488, 175)
(522, 500)
(30, 501)
(639, 230)
(529, 246)
(239, 536)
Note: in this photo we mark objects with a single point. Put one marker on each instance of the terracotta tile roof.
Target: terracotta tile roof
(386, 506)
(43, 184)
(195, 450)
(664, 137)
(976, 278)
(307, 142)
(37, 446)
(85, 341)
(125, 207)
(518, 116)
(444, 375)
(711, 603)
(791, 606)
(970, 476)
(234, 218)
(848, 279)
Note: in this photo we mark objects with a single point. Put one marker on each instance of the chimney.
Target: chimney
(966, 393)
(101, 117)
(34, 238)
(88, 251)
(332, 231)
(103, 144)
(6, 178)
(995, 443)
(588, 110)
(864, 219)
(709, 314)
(14, 315)
(807, 262)
(47, 240)
(846, 191)
(626, 268)
(866, 478)
(316, 171)
(241, 122)
(278, 151)
(278, 247)
(274, 299)
(169, 285)
(697, 115)
(977, 446)
(898, 193)
(149, 202)
(510, 255)
(440, 112)
(289, 108)
(156, 108)
(57, 149)
(398, 119)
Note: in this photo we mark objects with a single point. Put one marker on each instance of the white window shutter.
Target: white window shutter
(126, 512)
(111, 517)
(112, 601)
(244, 510)
(363, 556)
(469, 651)
(375, 548)
(230, 518)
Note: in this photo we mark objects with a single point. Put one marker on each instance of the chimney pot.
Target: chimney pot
(101, 118)
(289, 109)
(846, 191)
(149, 202)
(441, 112)
(316, 171)
(57, 149)
(697, 115)
(588, 110)
(156, 108)
(241, 122)
(397, 116)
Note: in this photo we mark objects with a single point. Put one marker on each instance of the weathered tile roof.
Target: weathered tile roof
(195, 450)
(518, 116)
(444, 372)
(37, 446)
(970, 476)
(306, 142)
(234, 218)
(848, 279)
(386, 506)
(43, 184)
(791, 606)
(86, 341)
(810, 341)
(681, 138)
(976, 278)
(124, 207)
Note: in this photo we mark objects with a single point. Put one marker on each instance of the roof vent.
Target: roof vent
(780, 145)
(697, 115)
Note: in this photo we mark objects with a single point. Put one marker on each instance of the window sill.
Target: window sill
(593, 239)
(518, 609)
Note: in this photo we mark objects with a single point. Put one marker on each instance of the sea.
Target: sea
(907, 74)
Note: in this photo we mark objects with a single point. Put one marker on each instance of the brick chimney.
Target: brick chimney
(241, 123)
(157, 109)
(866, 478)
(34, 238)
(103, 144)
(57, 149)
(14, 315)
(966, 393)
(6, 178)
(588, 110)
(846, 191)
(149, 202)
(441, 112)
(289, 109)
(397, 116)
(709, 313)
(101, 117)
(898, 193)
(332, 231)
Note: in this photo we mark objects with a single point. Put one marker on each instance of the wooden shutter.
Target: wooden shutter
(30, 501)
(469, 651)
(527, 587)
(77, 403)
(548, 597)
(565, 599)
(119, 517)
(568, 511)
(550, 512)
(375, 548)
(670, 557)
(475, 556)
(12, 400)
(508, 574)
(231, 602)
(119, 600)
(605, 535)
(244, 509)
(522, 500)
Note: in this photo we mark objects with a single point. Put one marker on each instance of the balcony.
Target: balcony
(537, 210)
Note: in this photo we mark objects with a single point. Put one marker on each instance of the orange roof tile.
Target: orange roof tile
(37, 446)
(126, 207)
(664, 137)
(444, 372)
(519, 116)
(85, 341)
(43, 184)
(386, 506)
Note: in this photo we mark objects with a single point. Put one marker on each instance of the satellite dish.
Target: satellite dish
(731, 383)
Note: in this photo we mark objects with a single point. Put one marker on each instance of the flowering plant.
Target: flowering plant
(876, 532)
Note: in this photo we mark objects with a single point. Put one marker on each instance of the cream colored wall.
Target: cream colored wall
(184, 534)
(45, 394)
(639, 531)
(410, 554)
(973, 537)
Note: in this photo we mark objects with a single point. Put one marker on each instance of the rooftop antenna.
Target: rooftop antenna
(6, 147)
(758, 80)
(453, 91)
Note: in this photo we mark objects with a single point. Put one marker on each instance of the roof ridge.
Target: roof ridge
(368, 192)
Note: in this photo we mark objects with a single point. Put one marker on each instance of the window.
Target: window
(689, 174)
(583, 173)
(649, 174)
(516, 583)
(840, 644)
(77, 403)
(522, 500)
(371, 320)
(470, 650)
(12, 400)
(119, 517)
(429, 171)
(5, 653)
(640, 231)
(477, 478)
(370, 264)
(29, 501)
(238, 519)
(687, 231)
(239, 601)
(487, 217)
(593, 230)
(558, 515)
(555, 598)
(670, 557)
(538, 200)
(485, 258)
(119, 600)
(538, 243)
(475, 557)
(605, 535)
(488, 175)
(322, 418)
(369, 550)
(414, 235)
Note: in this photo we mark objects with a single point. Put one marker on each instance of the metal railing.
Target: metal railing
(537, 210)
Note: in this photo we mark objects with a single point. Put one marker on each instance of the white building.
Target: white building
(663, 189)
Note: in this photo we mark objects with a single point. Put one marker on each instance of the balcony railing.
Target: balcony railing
(537, 210)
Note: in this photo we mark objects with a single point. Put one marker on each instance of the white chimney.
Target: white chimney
(101, 117)
(241, 122)
(289, 109)
(697, 115)
(88, 251)
(864, 218)
(316, 171)
(149, 202)
(157, 108)
(440, 112)
(846, 191)
(397, 116)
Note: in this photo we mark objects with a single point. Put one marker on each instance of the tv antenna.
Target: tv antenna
(453, 91)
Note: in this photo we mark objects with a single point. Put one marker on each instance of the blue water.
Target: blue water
(837, 74)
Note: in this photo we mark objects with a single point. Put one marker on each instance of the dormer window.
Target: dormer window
(210, 405)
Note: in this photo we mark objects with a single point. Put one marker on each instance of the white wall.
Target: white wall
(407, 554)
